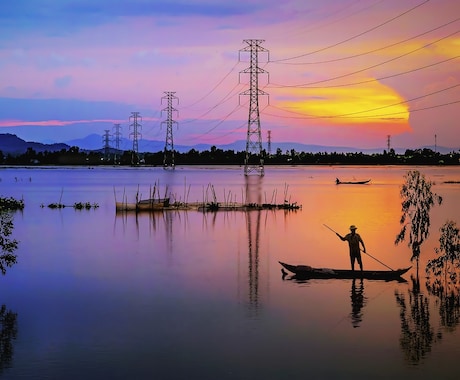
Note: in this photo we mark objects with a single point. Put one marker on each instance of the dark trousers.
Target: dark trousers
(356, 256)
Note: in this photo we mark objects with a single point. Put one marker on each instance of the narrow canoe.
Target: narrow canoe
(338, 182)
(305, 271)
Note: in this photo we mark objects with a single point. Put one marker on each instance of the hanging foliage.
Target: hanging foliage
(417, 201)
(448, 261)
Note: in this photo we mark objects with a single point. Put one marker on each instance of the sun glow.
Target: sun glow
(370, 102)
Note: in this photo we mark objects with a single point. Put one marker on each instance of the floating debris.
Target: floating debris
(76, 205)
(86, 205)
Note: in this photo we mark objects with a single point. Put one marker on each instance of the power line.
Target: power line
(412, 110)
(369, 51)
(355, 36)
(363, 117)
(369, 67)
(220, 122)
(224, 100)
(331, 13)
(381, 78)
(231, 132)
(214, 88)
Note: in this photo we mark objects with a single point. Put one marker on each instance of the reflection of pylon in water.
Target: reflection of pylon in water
(253, 195)
(254, 161)
(253, 225)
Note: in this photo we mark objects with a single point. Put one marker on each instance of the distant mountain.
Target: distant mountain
(95, 142)
(11, 144)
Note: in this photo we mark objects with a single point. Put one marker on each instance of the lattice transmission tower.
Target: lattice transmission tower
(168, 156)
(106, 141)
(254, 161)
(116, 139)
(269, 142)
(135, 127)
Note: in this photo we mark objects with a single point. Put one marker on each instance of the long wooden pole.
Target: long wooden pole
(362, 250)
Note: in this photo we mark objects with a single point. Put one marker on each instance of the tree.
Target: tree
(417, 201)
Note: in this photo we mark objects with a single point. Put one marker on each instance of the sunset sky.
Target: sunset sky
(337, 72)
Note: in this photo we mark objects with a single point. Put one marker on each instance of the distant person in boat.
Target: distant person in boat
(354, 240)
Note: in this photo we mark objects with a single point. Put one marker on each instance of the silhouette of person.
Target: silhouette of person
(354, 240)
(357, 302)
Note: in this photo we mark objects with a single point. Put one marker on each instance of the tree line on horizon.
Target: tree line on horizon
(216, 156)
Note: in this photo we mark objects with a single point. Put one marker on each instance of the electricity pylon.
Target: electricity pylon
(135, 126)
(117, 137)
(168, 156)
(106, 141)
(254, 161)
(269, 142)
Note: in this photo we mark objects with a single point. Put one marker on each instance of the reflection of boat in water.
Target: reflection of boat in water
(166, 205)
(306, 272)
(339, 182)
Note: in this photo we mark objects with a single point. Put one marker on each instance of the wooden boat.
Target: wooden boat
(305, 271)
(143, 205)
(152, 204)
(339, 182)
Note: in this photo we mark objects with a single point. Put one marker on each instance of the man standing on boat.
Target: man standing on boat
(354, 240)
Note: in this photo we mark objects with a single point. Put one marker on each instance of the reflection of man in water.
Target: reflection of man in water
(357, 302)
(354, 240)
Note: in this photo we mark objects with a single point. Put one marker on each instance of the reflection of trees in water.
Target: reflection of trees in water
(8, 332)
(445, 274)
(7, 245)
(417, 335)
(448, 302)
(358, 300)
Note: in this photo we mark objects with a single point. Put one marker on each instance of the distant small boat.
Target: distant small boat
(339, 182)
(306, 272)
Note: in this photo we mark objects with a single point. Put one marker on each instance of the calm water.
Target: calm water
(191, 295)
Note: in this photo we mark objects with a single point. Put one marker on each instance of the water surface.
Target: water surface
(186, 294)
